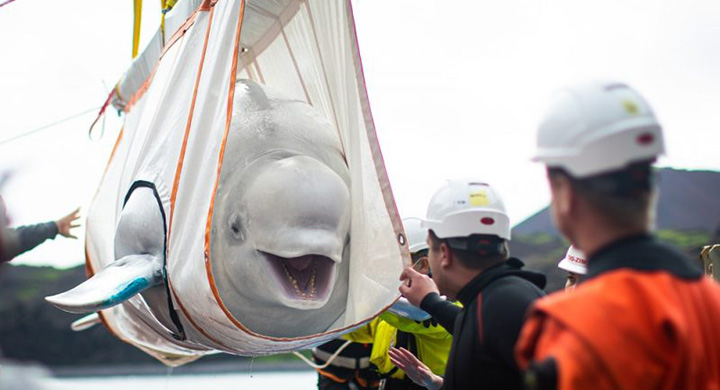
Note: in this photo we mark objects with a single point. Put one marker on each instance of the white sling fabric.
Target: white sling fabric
(174, 135)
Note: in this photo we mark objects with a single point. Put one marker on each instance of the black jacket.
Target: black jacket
(485, 331)
(24, 238)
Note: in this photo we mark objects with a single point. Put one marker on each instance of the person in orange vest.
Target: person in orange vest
(575, 264)
(644, 317)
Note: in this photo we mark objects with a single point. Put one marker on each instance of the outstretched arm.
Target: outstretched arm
(24, 238)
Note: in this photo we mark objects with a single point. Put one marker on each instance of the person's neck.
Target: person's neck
(463, 276)
(594, 237)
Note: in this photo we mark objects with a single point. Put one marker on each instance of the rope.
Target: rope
(108, 100)
(4, 3)
(327, 363)
(25, 134)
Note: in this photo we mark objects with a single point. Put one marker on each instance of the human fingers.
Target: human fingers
(409, 273)
(408, 355)
(75, 214)
(401, 355)
(397, 359)
(404, 288)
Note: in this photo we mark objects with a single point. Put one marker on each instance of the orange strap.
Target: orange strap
(331, 376)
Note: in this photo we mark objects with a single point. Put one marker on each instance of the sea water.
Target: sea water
(245, 381)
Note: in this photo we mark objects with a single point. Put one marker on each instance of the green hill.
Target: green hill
(542, 251)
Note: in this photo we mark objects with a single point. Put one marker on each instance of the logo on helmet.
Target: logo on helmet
(645, 139)
(631, 107)
(479, 198)
(487, 221)
(576, 259)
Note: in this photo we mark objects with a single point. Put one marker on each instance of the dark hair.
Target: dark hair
(477, 251)
(623, 196)
(417, 255)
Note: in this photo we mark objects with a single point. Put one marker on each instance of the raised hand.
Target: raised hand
(414, 368)
(67, 222)
(416, 286)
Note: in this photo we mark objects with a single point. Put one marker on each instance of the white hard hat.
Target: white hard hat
(465, 207)
(416, 234)
(574, 261)
(598, 127)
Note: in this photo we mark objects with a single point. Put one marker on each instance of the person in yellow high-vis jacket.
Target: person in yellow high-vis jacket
(427, 340)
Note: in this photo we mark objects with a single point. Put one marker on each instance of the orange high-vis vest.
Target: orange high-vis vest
(652, 324)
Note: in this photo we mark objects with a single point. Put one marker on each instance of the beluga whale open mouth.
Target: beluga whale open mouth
(307, 278)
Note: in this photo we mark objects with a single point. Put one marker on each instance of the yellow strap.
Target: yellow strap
(165, 6)
(137, 7)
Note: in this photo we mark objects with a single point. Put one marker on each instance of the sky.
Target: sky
(456, 89)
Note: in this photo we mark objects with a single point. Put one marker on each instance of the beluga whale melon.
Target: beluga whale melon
(245, 207)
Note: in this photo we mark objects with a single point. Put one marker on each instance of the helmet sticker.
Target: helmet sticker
(631, 107)
(479, 198)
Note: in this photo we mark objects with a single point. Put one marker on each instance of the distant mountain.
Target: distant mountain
(689, 200)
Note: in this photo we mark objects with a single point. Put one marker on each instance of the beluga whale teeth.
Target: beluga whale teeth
(306, 277)
(308, 289)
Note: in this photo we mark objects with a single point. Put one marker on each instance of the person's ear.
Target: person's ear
(423, 265)
(446, 257)
(563, 196)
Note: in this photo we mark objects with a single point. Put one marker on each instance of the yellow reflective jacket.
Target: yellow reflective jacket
(432, 340)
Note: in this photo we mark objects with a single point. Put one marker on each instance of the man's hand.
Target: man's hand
(416, 286)
(414, 368)
(67, 222)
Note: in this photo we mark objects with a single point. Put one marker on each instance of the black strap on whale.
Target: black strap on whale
(173, 314)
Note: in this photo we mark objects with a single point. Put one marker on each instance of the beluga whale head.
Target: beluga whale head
(280, 228)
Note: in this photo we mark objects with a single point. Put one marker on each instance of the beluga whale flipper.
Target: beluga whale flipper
(139, 266)
(116, 283)
(86, 322)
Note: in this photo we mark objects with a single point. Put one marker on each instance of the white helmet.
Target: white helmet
(465, 207)
(574, 261)
(598, 127)
(416, 234)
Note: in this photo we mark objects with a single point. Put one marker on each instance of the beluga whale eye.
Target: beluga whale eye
(236, 227)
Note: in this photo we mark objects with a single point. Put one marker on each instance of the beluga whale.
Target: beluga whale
(283, 217)
(245, 207)
(281, 225)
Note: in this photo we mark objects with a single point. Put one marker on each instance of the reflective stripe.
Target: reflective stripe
(342, 361)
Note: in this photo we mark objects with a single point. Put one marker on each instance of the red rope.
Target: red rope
(102, 109)
(6, 2)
